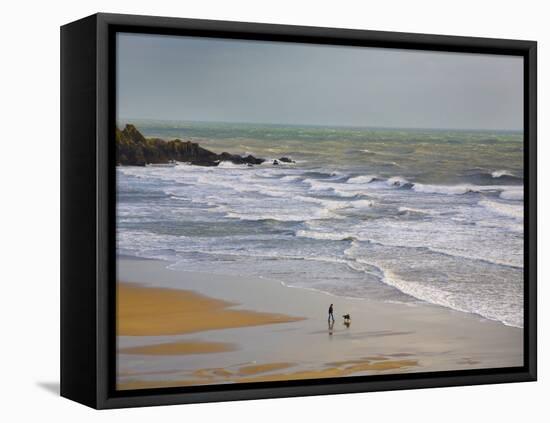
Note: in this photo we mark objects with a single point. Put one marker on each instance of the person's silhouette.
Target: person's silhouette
(331, 313)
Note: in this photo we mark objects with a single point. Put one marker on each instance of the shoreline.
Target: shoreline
(417, 301)
(382, 337)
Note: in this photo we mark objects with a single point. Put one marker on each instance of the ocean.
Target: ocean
(396, 215)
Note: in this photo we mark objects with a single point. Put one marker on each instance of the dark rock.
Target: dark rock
(253, 160)
(236, 159)
(133, 149)
(286, 160)
(204, 163)
(275, 162)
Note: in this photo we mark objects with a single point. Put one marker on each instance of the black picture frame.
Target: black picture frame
(88, 210)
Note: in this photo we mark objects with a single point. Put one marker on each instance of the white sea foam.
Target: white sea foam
(326, 209)
(460, 296)
(339, 189)
(363, 179)
(513, 193)
(415, 210)
(317, 185)
(500, 173)
(455, 189)
(332, 236)
(230, 165)
(443, 189)
(510, 210)
(290, 178)
(397, 181)
(452, 300)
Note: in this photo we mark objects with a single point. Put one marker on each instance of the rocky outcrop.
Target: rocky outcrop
(235, 158)
(133, 149)
(280, 160)
(286, 160)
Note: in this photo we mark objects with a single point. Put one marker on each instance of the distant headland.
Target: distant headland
(133, 149)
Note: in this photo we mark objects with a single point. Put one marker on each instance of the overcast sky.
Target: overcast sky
(187, 78)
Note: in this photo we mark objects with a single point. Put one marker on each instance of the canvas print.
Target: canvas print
(290, 211)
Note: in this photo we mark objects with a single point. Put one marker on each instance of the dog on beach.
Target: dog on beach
(347, 317)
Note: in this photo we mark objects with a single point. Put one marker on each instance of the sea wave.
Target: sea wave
(362, 179)
(501, 173)
(354, 237)
(448, 299)
(229, 165)
(478, 299)
(291, 178)
(461, 189)
(510, 210)
(514, 193)
(399, 181)
(450, 189)
(417, 211)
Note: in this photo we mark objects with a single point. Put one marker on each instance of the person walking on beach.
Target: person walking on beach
(331, 312)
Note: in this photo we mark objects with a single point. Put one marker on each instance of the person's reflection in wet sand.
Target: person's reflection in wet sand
(330, 327)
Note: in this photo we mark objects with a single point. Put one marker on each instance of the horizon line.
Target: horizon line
(128, 120)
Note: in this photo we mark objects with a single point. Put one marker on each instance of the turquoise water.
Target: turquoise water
(425, 155)
(390, 215)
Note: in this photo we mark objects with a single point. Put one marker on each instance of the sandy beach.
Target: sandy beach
(157, 311)
(180, 328)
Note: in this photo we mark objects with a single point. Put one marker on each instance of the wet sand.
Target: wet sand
(188, 328)
(160, 311)
(179, 348)
(264, 373)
